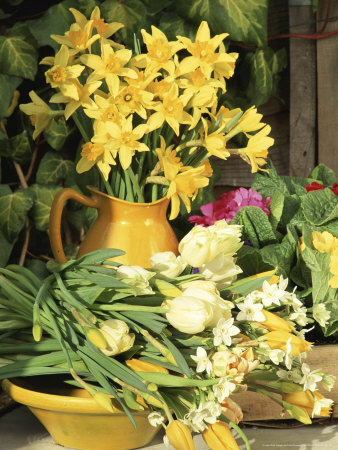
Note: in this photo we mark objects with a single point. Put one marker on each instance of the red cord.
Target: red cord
(303, 36)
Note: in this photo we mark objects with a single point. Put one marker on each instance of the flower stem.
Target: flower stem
(135, 185)
(80, 127)
(106, 184)
(129, 188)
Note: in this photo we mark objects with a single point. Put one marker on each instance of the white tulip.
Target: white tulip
(136, 277)
(167, 264)
(222, 270)
(116, 333)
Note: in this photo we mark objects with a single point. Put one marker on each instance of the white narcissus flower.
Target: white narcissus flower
(276, 356)
(250, 310)
(155, 418)
(201, 245)
(310, 378)
(321, 314)
(203, 362)
(223, 389)
(299, 315)
(136, 277)
(328, 381)
(319, 404)
(222, 270)
(224, 331)
(116, 333)
(288, 354)
(198, 419)
(167, 264)
(274, 293)
(289, 375)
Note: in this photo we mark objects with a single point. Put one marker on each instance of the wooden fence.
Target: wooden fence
(305, 126)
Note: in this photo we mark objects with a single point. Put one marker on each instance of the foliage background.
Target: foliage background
(32, 172)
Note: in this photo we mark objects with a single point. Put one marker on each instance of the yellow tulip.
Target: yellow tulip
(218, 437)
(144, 366)
(306, 400)
(274, 323)
(179, 436)
(278, 339)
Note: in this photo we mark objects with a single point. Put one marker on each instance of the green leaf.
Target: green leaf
(53, 168)
(280, 255)
(86, 6)
(131, 13)
(156, 6)
(56, 20)
(260, 86)
(173, 25)
(8, 84)
(256, 226)
(276, 208)
(6, 247)
(244, 20)
(43, 198)
(18, 56)
(324, 174)
(268, 183)
(320, 207)
(57, 134)
(250, 261)
(13, 210)
(17, 147)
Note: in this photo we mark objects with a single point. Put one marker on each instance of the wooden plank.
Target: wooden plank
(327, 88)
(302, 92)
(258, 407)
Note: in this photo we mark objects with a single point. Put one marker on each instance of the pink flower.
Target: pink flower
(228, 204)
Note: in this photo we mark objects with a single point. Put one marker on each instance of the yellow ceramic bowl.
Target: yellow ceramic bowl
(75, 420)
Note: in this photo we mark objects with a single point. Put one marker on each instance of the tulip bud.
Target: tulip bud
(222, 270)
(145, 366)
(96, 337)
(274, 323)
(278, 340)
(167, 289)
(232, 410)
(179, 436)
(117, 336)
(167, 264)
(218, 437)
(136, 277)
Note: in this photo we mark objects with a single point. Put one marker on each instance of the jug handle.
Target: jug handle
(56, 215)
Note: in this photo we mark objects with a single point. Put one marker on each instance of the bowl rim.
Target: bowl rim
(56, 402)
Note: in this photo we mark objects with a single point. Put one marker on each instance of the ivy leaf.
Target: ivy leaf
(86, 6)
(56, 20)
(57, 134)
(18, 55)
(244, 20)
(53, 168)
(173, 25)
(43, 199)
(260, 86)
(8, 84)
(6, 249)
(13, 210)
(17, 147)
(132, 13)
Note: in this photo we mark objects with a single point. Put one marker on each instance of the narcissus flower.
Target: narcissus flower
(40, 113)
(179, 436)
(219, 437)
(278, 339)
(274, 323)
(256, 150)
(307, 401)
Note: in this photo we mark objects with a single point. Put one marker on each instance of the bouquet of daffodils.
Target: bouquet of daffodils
(149, 121)
(180, 339)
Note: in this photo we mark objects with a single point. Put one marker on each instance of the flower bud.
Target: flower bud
(306, 400)
(222, 270)
(278, 340)
(221, 362)
(136, 277)
(219, 437)
(201, 284)
(96, 337)
(274, 323)
(179, 436)
(144, 366)
(232, 410)
(167, 264)
(116, 333)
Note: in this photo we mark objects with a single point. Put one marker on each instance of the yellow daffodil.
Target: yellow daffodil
(248, 122)
(207, 169)
(84, 99)
(306, 400)
(274, 323)
(104, 29)
(132, 100)
(95, 153)
(170, 110)
(215, 142)
(141, 80)
(79, 37)
(184, 186)
(224, 67)
(219, 437)
(169, 161)
(144, 366)
(160, 52)
(62, 75)
(203, 51)
(179, 436)
(110, 66)
(278, 340)
(256, 150)
(105, 110)
(324, 242)
(125, 139)
(40, 113)
(161, 87)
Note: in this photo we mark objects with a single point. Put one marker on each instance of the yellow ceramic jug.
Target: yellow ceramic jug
(139, 229)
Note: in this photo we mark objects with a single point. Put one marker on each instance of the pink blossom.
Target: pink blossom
(228, 204)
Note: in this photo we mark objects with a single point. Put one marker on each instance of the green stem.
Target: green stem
(268, 394)
(129, 188)
(106, 184)
(135, 184)
(124, 307)
(239, 431)
(80, 127)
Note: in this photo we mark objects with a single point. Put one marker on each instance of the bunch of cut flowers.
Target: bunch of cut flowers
(181, 338)
(149, 120)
